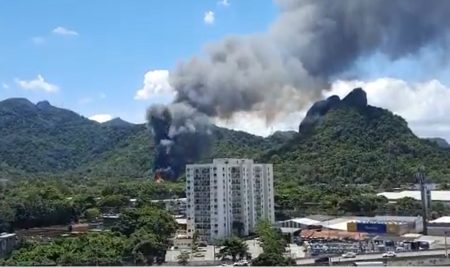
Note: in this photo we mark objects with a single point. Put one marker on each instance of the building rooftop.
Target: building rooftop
(181, 221)
(395, 218)
(288, 230)
(111, 216)
(436, 195)
(170, 200)
(338, 223)
(231, 161)
(444, 219)
(305, 221)
(320, 217)
(7, 235)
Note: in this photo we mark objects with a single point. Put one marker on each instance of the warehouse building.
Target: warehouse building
(439, 227)
(436, 196)
(390, 225)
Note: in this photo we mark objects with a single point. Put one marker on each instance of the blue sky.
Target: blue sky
(99, 58)
(93, 56)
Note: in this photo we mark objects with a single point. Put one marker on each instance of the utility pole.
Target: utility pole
(446, 251)
(424, 198)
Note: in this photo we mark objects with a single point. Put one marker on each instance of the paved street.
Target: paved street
(378, 256)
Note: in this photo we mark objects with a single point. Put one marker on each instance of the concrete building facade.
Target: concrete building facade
(228, 196)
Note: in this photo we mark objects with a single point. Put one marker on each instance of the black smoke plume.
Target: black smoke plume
(181, 135)
(310, 44)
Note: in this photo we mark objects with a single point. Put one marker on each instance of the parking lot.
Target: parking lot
(207, 253)
(315, 248)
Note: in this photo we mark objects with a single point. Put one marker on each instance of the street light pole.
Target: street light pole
(445, 240)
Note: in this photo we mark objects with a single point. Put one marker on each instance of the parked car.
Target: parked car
(322, 260)
(389, 254)
(349, 255)
(400, 249)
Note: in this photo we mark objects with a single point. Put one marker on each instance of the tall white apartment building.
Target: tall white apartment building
(228, 197)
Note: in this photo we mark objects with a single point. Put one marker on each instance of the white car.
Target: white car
(349, 255)
(389, 254)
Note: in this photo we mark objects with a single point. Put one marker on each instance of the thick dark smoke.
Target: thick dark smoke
(181, 135)
(309, 45)
(311, 42)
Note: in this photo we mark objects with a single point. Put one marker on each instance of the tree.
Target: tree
(195, 241)
(272, 240)
(7, 216)
(408, 206)
(271, 259)
(92, 214)
(151, 218)
(183, 258)
(233, 247)
(91, 249)
(114, 201)
(273, 245)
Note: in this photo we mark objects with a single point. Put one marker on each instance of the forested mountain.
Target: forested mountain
(345, 141)
(41, 140)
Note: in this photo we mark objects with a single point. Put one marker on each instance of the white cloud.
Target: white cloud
(209, 17)
(156, 87)
(38, 84)
(5, 86)
(425, 106)
(251, 122)
(38, 40)
(224, 3)
(101, 117)
(64, 31)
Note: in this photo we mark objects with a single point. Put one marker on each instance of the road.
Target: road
(366, 257)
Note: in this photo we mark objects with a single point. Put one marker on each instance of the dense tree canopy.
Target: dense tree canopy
(273, 245)
(92, 249)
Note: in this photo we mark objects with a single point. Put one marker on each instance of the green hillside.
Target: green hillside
(340, 141)
(352, 143)
(42, 140)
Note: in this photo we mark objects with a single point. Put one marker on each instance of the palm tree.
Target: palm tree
(233, 247)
